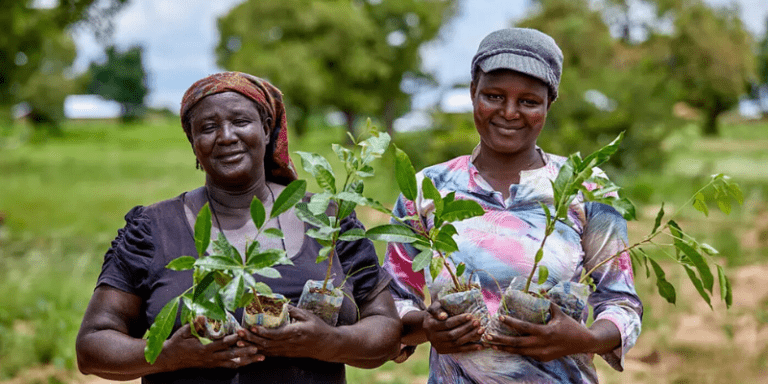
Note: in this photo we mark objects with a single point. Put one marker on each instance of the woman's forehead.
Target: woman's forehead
(230, 101)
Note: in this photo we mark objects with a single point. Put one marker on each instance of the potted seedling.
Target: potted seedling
(527, 300)
(326, 210)
(223, 280)
(462, 293)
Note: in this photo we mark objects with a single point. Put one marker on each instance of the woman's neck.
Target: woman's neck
(238, 199)
(500, 164)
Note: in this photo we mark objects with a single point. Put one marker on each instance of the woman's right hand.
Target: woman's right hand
(184, 350)
(451, 334)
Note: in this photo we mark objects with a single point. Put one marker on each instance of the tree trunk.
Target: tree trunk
(710, 127)
(351, 116)
(389, 117)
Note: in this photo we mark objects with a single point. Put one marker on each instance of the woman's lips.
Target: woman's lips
(231, 156)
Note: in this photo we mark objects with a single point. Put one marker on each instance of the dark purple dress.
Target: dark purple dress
(159, 233)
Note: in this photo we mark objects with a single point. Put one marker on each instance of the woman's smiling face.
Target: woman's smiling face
(229, 139)
(510, 109)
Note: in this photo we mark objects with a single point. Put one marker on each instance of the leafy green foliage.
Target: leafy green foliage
(223, 280)
(436, 245)
(327, 209)
(689, 253)
(350, 56)
(122, 78)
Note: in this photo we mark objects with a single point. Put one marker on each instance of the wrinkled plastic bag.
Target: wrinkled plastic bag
(323, 305)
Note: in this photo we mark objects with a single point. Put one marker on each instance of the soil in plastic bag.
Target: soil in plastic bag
(268, 311)
(456, 303)
(516, 303)
(216, 329)
(323, 304)
(570, 297)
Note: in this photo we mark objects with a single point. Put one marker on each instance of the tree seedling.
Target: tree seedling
(222, 280)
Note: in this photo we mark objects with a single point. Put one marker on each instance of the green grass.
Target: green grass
(64, 198)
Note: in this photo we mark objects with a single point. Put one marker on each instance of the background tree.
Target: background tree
(713, 59)
(760, 88)
(608, 85)
(35, 47)
(343, 55)
(121, 78)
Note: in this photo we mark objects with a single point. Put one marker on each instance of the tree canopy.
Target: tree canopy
(36, 49)
(121, 78)
(350, 56)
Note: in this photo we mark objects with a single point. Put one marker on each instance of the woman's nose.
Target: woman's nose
(228, 134)
(509, 110)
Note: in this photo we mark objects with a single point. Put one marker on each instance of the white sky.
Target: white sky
(179, 37)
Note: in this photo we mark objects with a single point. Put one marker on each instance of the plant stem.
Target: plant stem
(647, 239)
(547, 232)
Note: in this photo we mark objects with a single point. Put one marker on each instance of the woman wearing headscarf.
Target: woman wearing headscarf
(515, 78)
(237, 128)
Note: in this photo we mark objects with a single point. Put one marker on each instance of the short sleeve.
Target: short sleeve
(360, 263)
(127, 261)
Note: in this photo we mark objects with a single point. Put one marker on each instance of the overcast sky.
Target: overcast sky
(179, 37)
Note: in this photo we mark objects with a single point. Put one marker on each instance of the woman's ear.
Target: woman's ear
(268, 129)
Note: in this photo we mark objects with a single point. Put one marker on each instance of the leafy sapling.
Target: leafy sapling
(436, 245)
(326, 210)
(223, 280)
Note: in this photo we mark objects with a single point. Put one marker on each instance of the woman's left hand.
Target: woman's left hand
(307, 336)
(560, 337)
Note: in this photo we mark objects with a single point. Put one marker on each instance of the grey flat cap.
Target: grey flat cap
(524, 50)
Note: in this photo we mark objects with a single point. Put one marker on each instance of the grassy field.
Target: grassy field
(63, 198)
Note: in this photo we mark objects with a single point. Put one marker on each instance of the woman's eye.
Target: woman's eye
(241, 122)
(494, 97)
(208, 127)
(530, 102)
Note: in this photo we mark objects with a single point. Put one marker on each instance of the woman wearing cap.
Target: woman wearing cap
(236, 125)
(515, 77)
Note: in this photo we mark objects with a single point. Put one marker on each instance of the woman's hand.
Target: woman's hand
(306, 337)
(184, 350)
(560, 337)
(454, 334)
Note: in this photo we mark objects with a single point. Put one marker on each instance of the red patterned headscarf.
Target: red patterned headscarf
(278, 166)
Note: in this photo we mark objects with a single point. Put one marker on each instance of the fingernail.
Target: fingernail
(240, 344)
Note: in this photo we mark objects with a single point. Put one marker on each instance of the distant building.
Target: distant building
(91, 107)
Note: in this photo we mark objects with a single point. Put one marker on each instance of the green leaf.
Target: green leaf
(274, 233)
(262, 288)
(323, 233)
(355, 197)
(444, 242)
(603, 154)
(209, 309)
(325, 180)
(561, 182)
(250, 250)
(353, 234)
(666, 290)
(710, 250)
(659, 216)
(222, 247)
(735, 191)
(206, 288)
(430, 192)
(725, 287)
(181, 263)
(233, 293)
(292, 194)
(322, 255)
(435, 267)
(699, 262)
(546, 211)
(318, 203)
(700, 203)
(405, 175)
(258, 214)
(543, 274)
(342, 153)
(462, 210)
(346, 207)
(160, 330)
(624, 206)
(217, 262)
(312, 161)
(305, 215)
(392, 233)
(377, 144)
(460, 269)
(539, 255)
(268, 272)
(267, 258)
(724, 204)
(698, 284)
(203, 230)
(422, 260)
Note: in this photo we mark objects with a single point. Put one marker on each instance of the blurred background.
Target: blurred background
(90, 92)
